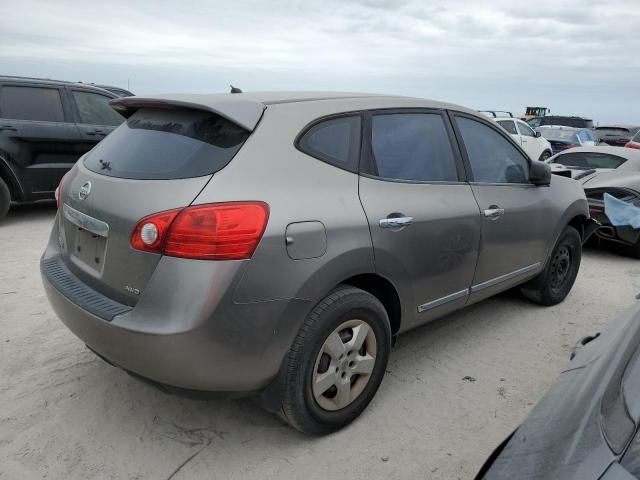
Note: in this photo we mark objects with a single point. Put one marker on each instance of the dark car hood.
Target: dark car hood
(563, 437)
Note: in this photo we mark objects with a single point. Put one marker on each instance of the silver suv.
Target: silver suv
(275, 243)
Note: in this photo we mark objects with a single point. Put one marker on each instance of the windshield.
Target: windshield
(163, 144)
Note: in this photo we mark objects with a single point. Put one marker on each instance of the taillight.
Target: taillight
(633, 145)
(220, 231)
(58, 193)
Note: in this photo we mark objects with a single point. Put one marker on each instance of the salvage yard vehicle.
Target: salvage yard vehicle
(616, 135)
(276, 243)
(606, 170)
(45, 126)
(586, 425)
(532, 142)
(634, 142)
(566, 121)
(562, 138)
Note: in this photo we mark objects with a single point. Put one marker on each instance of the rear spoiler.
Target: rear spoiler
(243, 112)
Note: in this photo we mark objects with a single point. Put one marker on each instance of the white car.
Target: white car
(537, 147)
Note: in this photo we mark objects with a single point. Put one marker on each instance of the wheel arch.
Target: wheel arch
(383, 290)
(10, 178)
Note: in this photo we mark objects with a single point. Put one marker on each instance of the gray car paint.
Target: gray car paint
(227, 325)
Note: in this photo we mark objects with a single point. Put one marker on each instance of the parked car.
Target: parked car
(532, 142)
(616, 135)
(565, 121)
(276, 242)
(634, 142)
(586, 426)
(562, 138)
(601, 170)
(45, 126)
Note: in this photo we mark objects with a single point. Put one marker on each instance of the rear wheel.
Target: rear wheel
(545, 155)
(5, 198)
(554, 283)
(337, 361)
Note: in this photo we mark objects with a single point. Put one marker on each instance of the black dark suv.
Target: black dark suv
(565, 121)
(45, 126)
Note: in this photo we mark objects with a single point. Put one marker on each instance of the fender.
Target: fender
(578, 208)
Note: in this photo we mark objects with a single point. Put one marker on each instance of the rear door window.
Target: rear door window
(412, 146)
(31, 103)
(160, 144)
(94, 109)
(335, 141)
(493, 158)
(509, 126)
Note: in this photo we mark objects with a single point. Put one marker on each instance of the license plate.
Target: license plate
(88, 248)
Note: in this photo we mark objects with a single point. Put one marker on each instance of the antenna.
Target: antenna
(235, 89)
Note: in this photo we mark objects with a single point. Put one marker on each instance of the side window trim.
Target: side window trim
(368, 166)
(463, 151)
(317, 121)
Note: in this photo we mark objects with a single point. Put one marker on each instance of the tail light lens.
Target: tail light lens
(58, 193)
(633, 145)
(221, 231)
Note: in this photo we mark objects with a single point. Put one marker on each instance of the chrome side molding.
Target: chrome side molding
(442, 300)
(505, 277)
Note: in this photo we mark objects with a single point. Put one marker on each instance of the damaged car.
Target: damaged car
(610, 177)
(274, 244)
(586, 425)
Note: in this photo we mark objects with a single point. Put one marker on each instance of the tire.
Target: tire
(545, 155)
(5, 199)
(554, 283)
(635, 250)
(329, 409)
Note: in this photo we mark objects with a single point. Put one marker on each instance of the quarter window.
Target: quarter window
(509, 126)
(336, 141)
(31, 103)
(94, 109)
(412, 146)
(492, 157)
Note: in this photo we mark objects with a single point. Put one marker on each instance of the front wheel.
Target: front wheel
(545, 156)
(554, 283)
(337, 361)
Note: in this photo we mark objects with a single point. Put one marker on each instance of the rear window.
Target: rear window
(589, 160)
(559, 135)
(31, 103)
(157, 144)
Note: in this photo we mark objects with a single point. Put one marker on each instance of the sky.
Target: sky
(577, 57)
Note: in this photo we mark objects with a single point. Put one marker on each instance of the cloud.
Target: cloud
(369, 44)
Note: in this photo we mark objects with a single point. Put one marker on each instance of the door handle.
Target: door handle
(493, 213)
(95, 132)
(8, 127)
(395, 222)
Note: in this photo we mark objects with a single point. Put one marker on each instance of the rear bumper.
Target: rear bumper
(185, 331)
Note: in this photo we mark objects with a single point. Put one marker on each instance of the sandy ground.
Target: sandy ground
(66, 414)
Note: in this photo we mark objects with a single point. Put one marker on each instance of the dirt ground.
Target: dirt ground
(454, 389)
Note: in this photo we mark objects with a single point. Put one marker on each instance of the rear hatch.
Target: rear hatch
(616, 136)
(159, 159)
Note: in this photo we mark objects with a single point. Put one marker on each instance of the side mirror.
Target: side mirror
(538, 134)
(540, 173)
